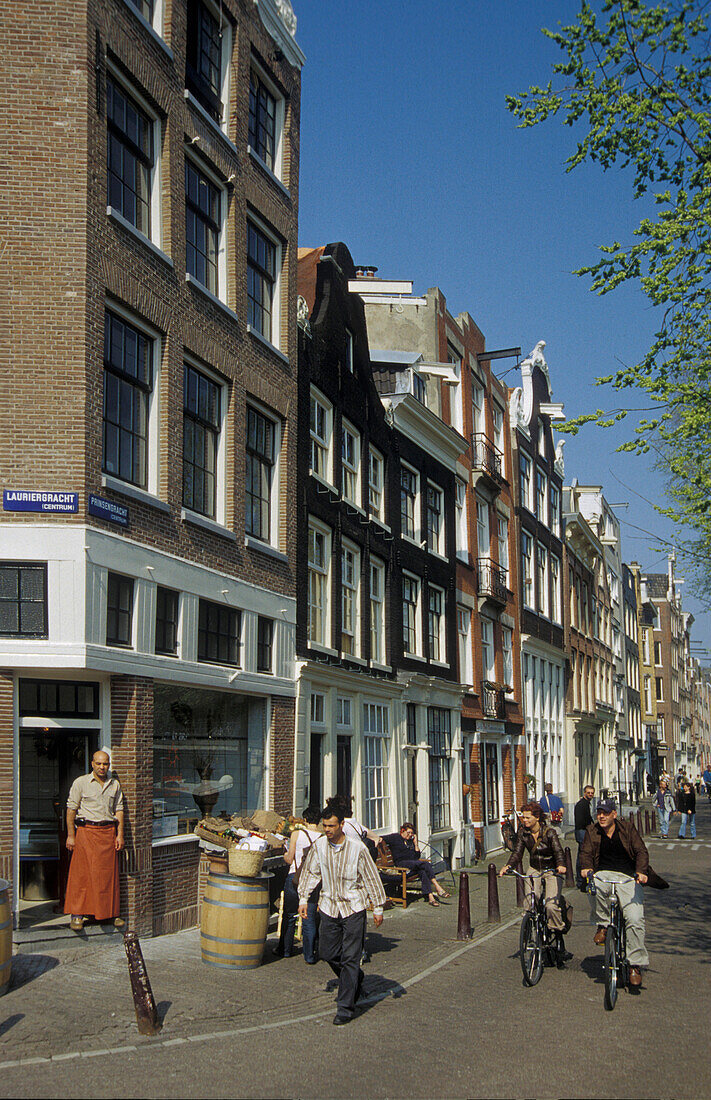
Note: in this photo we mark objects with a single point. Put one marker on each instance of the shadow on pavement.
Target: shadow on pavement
(162, 1010)
(10, 1022)
(681, 917)
(592, 965)
(377, 989)
(25, 968)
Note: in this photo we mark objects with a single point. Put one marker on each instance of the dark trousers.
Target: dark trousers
(340, 945)
(424, 870)
(309, 927)
(580, 837)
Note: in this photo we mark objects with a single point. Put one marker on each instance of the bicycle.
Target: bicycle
(509, 829)
(617, 967)
(537, 944)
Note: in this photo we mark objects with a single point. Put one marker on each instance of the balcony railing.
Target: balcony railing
(491, 580)
(492, 701)
(487, 458)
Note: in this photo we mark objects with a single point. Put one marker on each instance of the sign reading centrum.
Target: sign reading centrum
(33, 500)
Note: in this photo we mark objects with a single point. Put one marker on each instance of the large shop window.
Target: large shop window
(439, 737)
(376, 742)
(208, 756)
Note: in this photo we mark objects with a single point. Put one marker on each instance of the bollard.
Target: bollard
(520, 887)
(654, 821)
(646, 822)
(145, 1005)
(464, 924)
(569, 877)
(639, 822)
(494, 912)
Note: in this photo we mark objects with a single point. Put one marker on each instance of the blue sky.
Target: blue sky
(409, 156)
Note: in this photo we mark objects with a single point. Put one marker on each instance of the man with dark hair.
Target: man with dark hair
(582, 818)
(406, 853)
(348, 877)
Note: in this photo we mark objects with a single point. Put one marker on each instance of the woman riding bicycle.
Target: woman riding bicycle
(546, 858)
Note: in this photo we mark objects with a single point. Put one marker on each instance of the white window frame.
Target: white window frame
(462, 524)
(502, 541)
(415, 584)
(275, 340)
(344, 712)
(437, 545)
(416, 536)
(478, 407)
(350, 352)
(275, 488)
(527, 570)
(222, 245)
(221, 461)
(507, 654)
(225, 62)
(483, 528)
(488, 650)
(350, 468)
(375, 766)
(377, 610)
(317, 709)
(464, 637)
(350, 594)
(376, 484)
(155, 236)
(526, 478)
(454, 356)
(542, 496)
(436, 635)
(323, 443)
(279, 117)
(156, 23)
(555, 573)
(154, 408)
(645, 648)
(555, 509)
(498, 420)
(543, 597)
(324, 571)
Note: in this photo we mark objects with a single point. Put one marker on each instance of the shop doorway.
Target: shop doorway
(50, 760)
(491, 775)
(344, 767)
(412, 796)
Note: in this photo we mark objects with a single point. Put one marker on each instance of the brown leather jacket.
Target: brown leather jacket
(545, 855)
(632, 843)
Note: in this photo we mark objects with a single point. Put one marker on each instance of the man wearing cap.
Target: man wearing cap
(615, 847)
(95, 818)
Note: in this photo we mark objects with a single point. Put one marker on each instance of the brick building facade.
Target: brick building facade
(150, 606)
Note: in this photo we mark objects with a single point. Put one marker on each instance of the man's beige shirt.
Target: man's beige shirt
(93, 800)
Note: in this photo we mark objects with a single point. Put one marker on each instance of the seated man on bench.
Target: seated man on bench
(405, 853)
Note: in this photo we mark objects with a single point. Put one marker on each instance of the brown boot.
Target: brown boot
(635, 976)
(599, 937)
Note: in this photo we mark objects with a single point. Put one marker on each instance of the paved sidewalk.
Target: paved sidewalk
(79, 999)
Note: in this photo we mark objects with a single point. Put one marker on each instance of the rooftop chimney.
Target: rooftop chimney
(365, 271)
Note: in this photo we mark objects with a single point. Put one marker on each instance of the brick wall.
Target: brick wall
(282, 734)
(175, 888)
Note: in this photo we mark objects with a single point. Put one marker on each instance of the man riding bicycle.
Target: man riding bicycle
(616, 848)
(546, 857)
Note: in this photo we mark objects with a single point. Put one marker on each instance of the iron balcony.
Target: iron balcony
(491, 580)
(492, 701)
(487, 458)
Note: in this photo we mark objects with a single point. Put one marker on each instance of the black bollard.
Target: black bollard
(520, 887)
(639, 822)
(494, 912)
(569, 877)
(654, 821)
(464, 923)
(145, 1005)
(646, 822)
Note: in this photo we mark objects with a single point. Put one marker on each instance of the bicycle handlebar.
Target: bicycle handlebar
(513, 871)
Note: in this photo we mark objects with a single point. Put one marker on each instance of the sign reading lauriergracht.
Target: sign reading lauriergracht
(37, 500)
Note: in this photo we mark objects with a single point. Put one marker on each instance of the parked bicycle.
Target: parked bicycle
(617, 967)
(509, 829)
(537, 944)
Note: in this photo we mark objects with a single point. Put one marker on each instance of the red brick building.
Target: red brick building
(147, 534)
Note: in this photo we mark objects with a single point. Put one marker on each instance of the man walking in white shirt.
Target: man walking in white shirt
(348, 879)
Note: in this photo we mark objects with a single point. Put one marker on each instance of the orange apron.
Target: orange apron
(93, 883)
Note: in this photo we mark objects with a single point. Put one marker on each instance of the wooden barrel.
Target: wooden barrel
(5, 936)
(235, 917)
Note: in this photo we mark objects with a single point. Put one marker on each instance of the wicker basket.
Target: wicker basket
(214, 838)
(243, 862)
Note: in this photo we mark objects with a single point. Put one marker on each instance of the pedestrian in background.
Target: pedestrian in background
(665, 806)
(582, 816)
(688, 810)
(299, 844)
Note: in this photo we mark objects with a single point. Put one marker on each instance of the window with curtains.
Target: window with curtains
(376, 743)
(439, 739)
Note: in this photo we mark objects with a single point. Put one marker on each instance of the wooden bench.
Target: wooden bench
(389, 873)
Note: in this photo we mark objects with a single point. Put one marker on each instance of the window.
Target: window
(344, 711)
(409, 492)
(502, 537)
(410, 606)
(145, 7)
(167, 602)
(541, 496)
(455, 391)
(262, 300)
(462, 526)
(317, 705)
(411, 723)
(419, 388)
(263, 133)
(478, 413)
(205, 205)
(321, 420)
(527, 563)
(202, 418)
(350, 463)
(488, 656)
(219, 630)
(439, 736)
(507, 651)
(265, 637)
(435, 622)
(128, 387)
(376, 799)
(130, 158)
(349, 361)
(555, 589)
(646, 634)
(497, 414)
(260, 510)
(208, 48)
(464, 625)
(377, 611)
(659, 688)
(657, 653)
(526, 487)
(119, 610)
(483, 533)
(350, 589)
(23, 600)
(555, 510)
(435, 523)
(376, 479)
(319, 560)
(542, 578)
(59, 699)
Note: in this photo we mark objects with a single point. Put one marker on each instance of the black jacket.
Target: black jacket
(687, 802)
(583, 816)
(545, 855)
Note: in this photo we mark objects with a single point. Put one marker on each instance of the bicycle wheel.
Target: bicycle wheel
(530, 950)
(610, 969)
